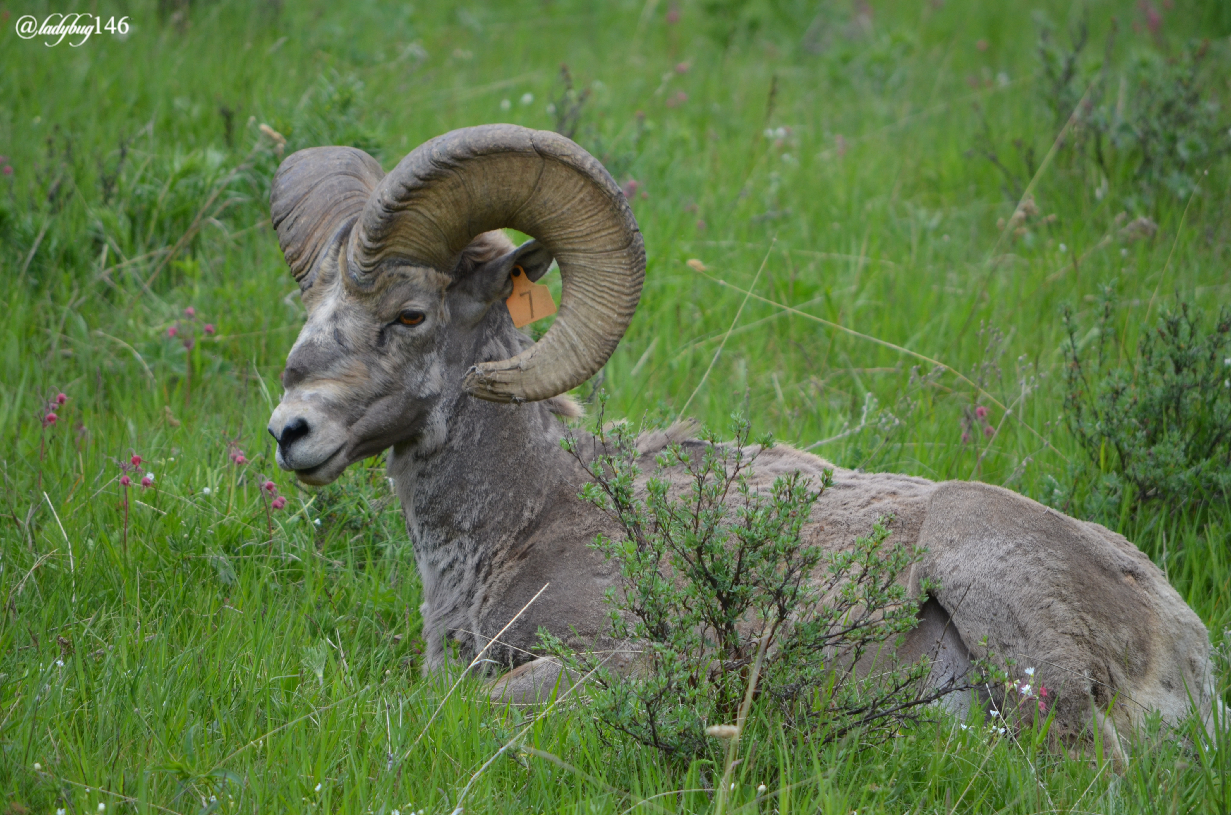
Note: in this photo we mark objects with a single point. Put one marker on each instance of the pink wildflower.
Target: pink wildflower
(630, 188)
(147, 481)
(269, 487)
(278, 502)
(682, 67)
(673, 16)
(989, 431)
(209, 329)
(965, 437)
(173, 330)
(50, 419)
(136, 460)
(189, 343)
(241, 459)
(125, 480)
(61, 398)
(7, 170)
(981, 412)
(190, 312)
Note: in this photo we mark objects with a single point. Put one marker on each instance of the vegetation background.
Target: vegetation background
(911, 179)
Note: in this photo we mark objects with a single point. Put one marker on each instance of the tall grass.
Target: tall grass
(203, 669)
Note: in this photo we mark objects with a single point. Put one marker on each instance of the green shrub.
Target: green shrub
(713, 572)
(1156, 429)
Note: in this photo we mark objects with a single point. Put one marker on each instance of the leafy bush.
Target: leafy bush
(716, 577)
(1153, 119)
(1157, 428)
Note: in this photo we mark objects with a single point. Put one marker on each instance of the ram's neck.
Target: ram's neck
(471, 485)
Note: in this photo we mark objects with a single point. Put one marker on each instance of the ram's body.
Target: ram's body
(406, 326)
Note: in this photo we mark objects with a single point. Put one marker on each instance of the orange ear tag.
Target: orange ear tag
(529, 301)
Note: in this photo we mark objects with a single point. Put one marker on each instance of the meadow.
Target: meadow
(863, 222)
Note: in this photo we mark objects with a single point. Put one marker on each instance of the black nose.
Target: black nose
(294, 430)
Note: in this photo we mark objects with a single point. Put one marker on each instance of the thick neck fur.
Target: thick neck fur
(478, 475)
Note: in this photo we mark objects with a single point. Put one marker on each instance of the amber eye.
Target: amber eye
(409, 317)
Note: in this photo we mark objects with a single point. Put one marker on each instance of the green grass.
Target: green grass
(201, 659)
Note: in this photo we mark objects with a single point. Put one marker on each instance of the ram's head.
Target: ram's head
(404, 282)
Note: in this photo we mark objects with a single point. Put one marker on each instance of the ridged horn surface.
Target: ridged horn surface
(315, 198)
(477, 179)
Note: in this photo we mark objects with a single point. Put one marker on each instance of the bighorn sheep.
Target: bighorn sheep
(408, 347)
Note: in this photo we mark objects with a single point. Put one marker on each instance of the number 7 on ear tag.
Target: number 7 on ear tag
(529, 301)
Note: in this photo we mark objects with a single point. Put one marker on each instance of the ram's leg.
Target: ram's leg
(936, 639)
(529, 684)
(1089, 613)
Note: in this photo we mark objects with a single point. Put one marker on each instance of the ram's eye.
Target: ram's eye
(409, 317)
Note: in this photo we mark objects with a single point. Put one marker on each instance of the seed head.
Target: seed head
(50, 419)
(61, 398)
(279, 502)
(136, 460)
(125, 481)
(722, 731)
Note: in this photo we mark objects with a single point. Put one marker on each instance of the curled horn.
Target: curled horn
(317, 195)
(477, 179)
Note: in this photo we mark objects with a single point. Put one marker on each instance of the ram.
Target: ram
(409, 347)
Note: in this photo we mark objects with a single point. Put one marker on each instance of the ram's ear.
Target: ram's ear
(316, 196)
(492, 280)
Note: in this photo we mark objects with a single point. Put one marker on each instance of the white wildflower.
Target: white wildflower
(318, 788)
(760, 789)
(206, 491)
(59, 663)
(505, 104)
(61, 811)
(1000, 731)
(150, 476)
(1030, 672)
(1123, 253)
(38, 767)
(527, 98)
(102, 807)
(398, 811)
(317, 522)
(1063, 248)
(965, 727)
(1025, 690)
(995, 713)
